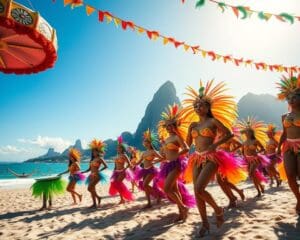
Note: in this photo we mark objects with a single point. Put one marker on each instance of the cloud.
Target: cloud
(9, 149)
(58, 143)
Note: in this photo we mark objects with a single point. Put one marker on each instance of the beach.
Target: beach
(270, 217)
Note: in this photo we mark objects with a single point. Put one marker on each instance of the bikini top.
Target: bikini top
(171, 146)
(74, 168)
(119, 160)
(205, 132)
(287, 123)
(148, 158)
(225, 145)
(94, 163)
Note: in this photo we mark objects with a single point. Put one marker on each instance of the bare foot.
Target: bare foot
(147, 206)
(220, 217)
(122, 201)
(232, 204)
(258, 195)
(93, 206)
(74, 203)
(99, 201)
(80, 198)
(43, 208)
(262, 189)
(50, 208)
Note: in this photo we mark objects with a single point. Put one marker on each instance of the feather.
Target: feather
(287, 17)
(200, 3)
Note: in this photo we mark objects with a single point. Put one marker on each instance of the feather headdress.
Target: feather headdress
(223, 106)
(75, 154)
(151, 137)
(287, 85)
(259, 128)
(173, 115)
(98, 145)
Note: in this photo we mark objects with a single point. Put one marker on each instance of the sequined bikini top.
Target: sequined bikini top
(171, 146)
(205, 132)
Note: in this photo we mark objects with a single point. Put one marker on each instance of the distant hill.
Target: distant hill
(165, 95)
(264, 106)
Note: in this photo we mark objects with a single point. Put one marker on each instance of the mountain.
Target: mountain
(165, 95)
(264, 107)
(77, 145)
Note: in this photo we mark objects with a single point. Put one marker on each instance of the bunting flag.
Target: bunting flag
(105, 16)
(244, 12)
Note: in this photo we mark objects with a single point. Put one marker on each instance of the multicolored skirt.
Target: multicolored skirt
(78, 177)
(103, 178)
(291, 145)
(142, 172)
(275, 158)
(117, 173)
(167, 167)
(229, 166)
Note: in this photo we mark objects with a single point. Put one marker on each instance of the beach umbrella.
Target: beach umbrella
(28, 43)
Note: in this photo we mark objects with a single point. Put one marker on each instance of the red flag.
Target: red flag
(101, 16)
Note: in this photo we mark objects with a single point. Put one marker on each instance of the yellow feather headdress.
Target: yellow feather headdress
(259, 128)
(98, 145)
(74, 153)
(223, 107)
(173, 115)
(272, 129)
(287, 85)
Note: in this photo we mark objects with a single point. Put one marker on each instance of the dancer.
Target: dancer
(173, 129)
(149, 171)
(271, 152)
(255, 132)
(231, 146)
(75, 175)
(134, 167)
(98, 149)
(120, 172)
(290, 138)
(48, 187)
(210, 112)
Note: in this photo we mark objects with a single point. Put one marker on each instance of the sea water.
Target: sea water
(8, 180)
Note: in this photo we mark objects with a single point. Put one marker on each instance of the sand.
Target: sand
(271, 217)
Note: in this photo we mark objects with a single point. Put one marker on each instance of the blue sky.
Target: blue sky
(104, 77)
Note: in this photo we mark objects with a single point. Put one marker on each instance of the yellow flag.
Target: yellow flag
(268, 16)
(165, 41)
(218, 56)
(89, 10)
(108, 18)
(117, 22)
(203, 53)
(140, 30)
(280, 69)
(186, 47)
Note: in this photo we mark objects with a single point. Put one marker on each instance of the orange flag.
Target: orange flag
(89, 10)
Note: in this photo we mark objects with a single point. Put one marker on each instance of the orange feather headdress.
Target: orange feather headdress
(259, 128)
(98, 145)
(173, 115)
(223, 107)
(75, 154)
(272, 129)
(151, 137)
(287, 85)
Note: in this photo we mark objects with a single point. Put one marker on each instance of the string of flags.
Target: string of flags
(105, 16)
(244, 12)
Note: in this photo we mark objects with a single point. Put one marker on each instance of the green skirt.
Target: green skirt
(48, 187)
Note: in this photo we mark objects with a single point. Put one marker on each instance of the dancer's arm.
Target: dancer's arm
(184, 147)
(104, 164)
(282, 138)
(260, 147)
(224, 131)
(189, 138)
(236, 145)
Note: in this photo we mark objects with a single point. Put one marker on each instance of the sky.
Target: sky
(105, 77)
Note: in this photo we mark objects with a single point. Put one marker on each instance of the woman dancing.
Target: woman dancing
(75, 175)
(120, 173)
(98, 149)
(231, 146)
(290, 138)
(134, 168)
(149, 171)
(255, 132)
(271, 152)
(173, 129)
(211, 112)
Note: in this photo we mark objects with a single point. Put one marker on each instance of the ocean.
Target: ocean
(8, 180)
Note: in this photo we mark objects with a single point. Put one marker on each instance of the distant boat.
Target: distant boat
(23, 175)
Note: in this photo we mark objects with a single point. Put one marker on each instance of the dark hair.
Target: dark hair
(252, 134)
(209, 113)
(70, 162)
(92, 155)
